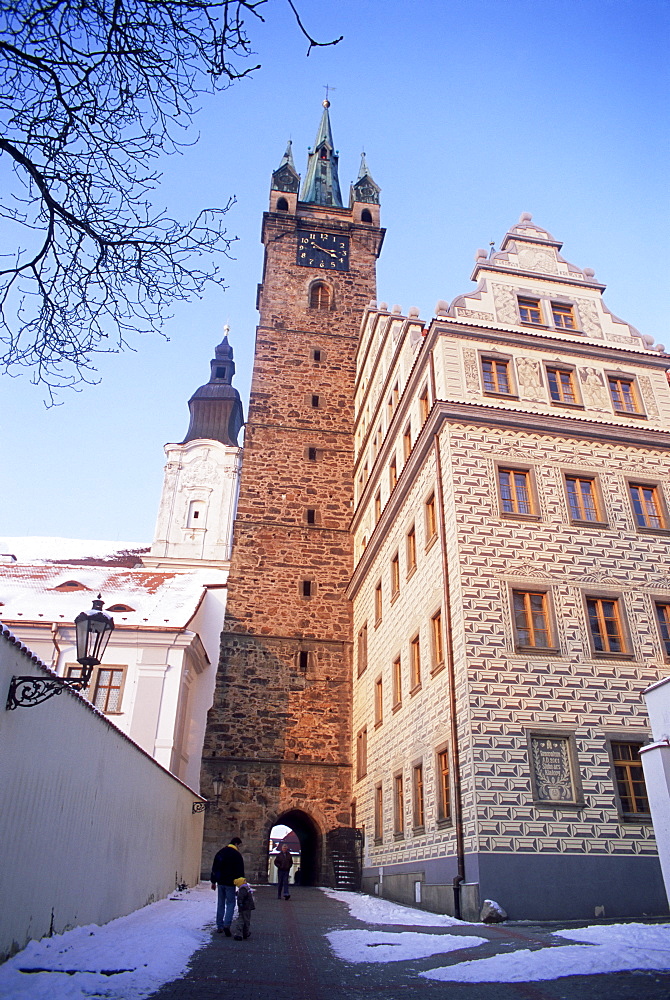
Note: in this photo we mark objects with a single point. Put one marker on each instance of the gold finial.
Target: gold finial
(328, 88)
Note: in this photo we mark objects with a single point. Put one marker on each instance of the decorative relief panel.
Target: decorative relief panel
(505, 303)
(594, 393)
(541, 259)
(590, 320)
(471, 371)
(474, 314)
(647, 394)
(551, 769)
(529, 375)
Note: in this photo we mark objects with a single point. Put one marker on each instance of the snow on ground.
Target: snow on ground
(385, 946)
(372, 910)
(126, 959)
(607, 948)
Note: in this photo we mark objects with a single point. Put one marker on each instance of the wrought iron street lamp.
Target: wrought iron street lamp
(93, 629)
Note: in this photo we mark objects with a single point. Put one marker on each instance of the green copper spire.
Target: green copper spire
(322, 184)
(285, 177)
(365, 190)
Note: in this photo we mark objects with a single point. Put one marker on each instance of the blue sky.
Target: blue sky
(469, 113)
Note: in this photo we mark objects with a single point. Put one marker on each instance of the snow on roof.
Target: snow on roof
(44, 591)
(38, 548)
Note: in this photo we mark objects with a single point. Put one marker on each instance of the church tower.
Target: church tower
(278, 733)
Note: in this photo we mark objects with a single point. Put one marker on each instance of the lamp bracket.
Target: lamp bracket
(24, 692)
(200, 807)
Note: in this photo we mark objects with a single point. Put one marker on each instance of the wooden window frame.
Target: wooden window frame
(379, 814)
(396, 674)
(430, 519)
(530, 304)
(418, 798)
(379, 701)
(662, 616)
(547, 611)
(563, 309)
(378, 506)
(494, 378)
(615, 383)
(415, 663)
(398, 805)
(437, 642)
(614, 741)
(362, 649)
(601, 616)
(556, 368)
(320, 296)
(410, 550)
(424, 404)
(528, 472)
(73, 670)
(393, 473)
(379, 603)
(637, 504)
(395, 576)
(599, 507)
(407, 441)
(361, 753)
(443, 785)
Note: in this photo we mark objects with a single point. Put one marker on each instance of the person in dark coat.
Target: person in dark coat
(283, 864)
(228, 865)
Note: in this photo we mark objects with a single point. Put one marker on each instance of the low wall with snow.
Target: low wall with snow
(91, 827)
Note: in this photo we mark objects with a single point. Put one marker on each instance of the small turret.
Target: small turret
(285, 184)
(364, 196)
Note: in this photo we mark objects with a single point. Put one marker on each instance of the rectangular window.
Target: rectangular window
(624, 394)
(311, 515)
(562, 385)
(431, 518)
(530, 310)
(647, 506)
(395, 576)
(393, 474)
(378, 603)
(415, 663)
(361, 753)
(564, 316)
(531, 619)
(315, 401)
(496, 376)
(378, 507)
(107, 695)
(424, 407)
(303, 659)
(398, 805)
(397, 683)
(629, 777)
(362, 649)
(443, 793)
(605, 625)
(407, 442)
(583, 498)
(438, 645)
(417, 789)
(306, 588)
(379, 814)
(311, 454)
(516, 495)
(379, 701)
(663, 619)
(411, 550)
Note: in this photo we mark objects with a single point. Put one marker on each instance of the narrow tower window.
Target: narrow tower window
(282, 205)
(315, 402)
(311, 515)
(311, 454)
(366, 215)
(319, 296)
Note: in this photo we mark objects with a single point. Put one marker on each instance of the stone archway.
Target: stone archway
(310, 843)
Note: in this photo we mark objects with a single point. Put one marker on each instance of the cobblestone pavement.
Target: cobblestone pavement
(289, 958)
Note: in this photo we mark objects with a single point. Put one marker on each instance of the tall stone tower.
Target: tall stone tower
(278, 732)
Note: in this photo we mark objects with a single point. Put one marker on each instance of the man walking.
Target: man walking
(283, 864)
(226, 867)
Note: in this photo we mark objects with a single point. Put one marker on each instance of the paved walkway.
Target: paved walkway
(289, 958)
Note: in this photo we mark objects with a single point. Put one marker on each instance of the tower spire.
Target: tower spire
(322, 183)
(286, 178)
(364, 190)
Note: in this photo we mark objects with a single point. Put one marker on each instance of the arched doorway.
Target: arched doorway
(310, 843)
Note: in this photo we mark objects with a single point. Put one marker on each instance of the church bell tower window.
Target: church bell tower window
(319, 296)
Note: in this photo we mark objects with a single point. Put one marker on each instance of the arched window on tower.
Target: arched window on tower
(282, 205)
(366, 215)
(319, 295)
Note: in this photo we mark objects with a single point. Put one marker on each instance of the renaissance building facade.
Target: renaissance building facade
(449, 584)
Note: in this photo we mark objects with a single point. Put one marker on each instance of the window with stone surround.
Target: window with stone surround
(431, 519)
(307, 588)
(497, 376)
(407, 441)
(320, 296)
(398, 806)
(443, 786)
(311, 454)
(362, 649)
(584, 499)
(516, 491)
(629, 785)
(648, 507)
(397, 683)
(378, 603)
(410, 547)
(562, 385)
(606, 626)
(564, 316)
(361, 753)
(437, 642)
(395, 576)
(378, 505)
(424, 404)
(393, 474)
(415, 664)
(624, 394)
(379, 814)
(417, 797)
(379, 701)
(530, 310)
(663, 618)
(533, 628)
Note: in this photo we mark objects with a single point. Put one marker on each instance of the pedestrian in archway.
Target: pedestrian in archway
(283, 864)
(227, 866)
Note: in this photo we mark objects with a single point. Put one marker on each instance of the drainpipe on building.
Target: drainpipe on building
(459, 878)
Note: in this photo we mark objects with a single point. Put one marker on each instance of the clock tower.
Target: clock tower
(279, 731)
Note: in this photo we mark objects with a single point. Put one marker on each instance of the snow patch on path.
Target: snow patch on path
(372, 910)
(386, 946)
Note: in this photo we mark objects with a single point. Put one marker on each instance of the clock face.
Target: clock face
(327, 251)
